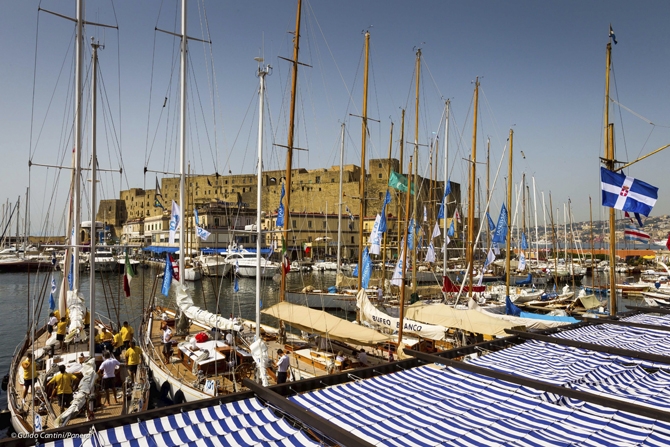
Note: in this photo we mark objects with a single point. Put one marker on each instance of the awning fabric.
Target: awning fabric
(323, 323)
(157, 249)
(464, 319)
(244, 422)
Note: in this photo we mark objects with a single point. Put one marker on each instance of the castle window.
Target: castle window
(380, 175)
(309, 224)
(380, 165)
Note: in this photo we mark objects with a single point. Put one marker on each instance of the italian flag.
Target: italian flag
(127, 276)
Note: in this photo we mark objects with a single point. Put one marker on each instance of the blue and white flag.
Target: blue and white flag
(524, 242)
(451, 231)
(396, 280)
(195, 216)
(492, 226)
(490, 257)
(430, 253)
(496, 249)
(202, 233)
(425, 214)
(612, 35)
(354, 272)
(382, 224)
(443, 204)
(167, 275)
(236, 285)
(625, 193)
(367, 269)
(436, 231)
(500, 235)
(376, 237)
(175, 221)
(410, 235)
(280, 211)
(52, 300)
(522, 262)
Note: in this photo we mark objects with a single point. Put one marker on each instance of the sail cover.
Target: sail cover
(323, 323)
(382, 320)
(202, 316)
(464, 319)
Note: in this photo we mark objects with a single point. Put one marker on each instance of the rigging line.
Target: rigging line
(214, 87)
(244, 118)
(623, 131)
(491, 114)
(32, 107)
(118, 74)
(646, 120)
(151, 90)
(425, 63)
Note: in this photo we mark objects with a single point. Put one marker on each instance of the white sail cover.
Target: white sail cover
(76, 310)
(259, 350)
(85, 389)
(530, 323)
(379, 319)
(202, 316)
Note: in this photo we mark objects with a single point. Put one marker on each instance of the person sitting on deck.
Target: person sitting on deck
(127, 334)
(61, 330)
(133, 359)
(107, 369)
(29, 374)
(64, 382)
(342, 360)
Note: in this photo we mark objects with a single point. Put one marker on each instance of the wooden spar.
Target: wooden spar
(289, 159)
(416, 170)
(339, 205)
(508, 242)
(488, 192)
(400, 168)
(446, 182)
(469, 254)
(388, 176)
(553, 238)
(361, 183)
(403, 254)
(591, 220)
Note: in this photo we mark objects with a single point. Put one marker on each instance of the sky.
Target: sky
(541, 68)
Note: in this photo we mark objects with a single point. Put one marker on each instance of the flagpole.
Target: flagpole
(609, 162)
(508, 242)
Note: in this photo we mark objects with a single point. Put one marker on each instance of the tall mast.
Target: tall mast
(388, 175)
(78, 132)
(591, 220)
(544, 218)
(416, 170)
(403, 256)
(537, 236)
(609, 162)
(262, 71)
(94, 172)
(469, 254)
(446, 179)
(488, 169)
(400, 168)
(289, 146)
(339, 205)
(361, 183)
(508, 242)
(182, 143)
(553, 238)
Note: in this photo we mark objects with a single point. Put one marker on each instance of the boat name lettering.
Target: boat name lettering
(410, 327)
(381, 320)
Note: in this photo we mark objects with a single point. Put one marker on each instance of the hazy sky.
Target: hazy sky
(541, 66)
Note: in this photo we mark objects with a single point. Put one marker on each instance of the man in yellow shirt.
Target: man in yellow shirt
(133, 358)
(127, 334)
(117, 344)
(64, 384)
(28, 374)
(61, 330)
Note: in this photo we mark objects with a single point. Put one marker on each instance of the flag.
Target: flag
(430, 253)
(522, 262)
(202, 233)
(286, 265)
(457, 216)
(410, 235)
(351, 216)
(376, 237)
(52, 301)
(524, 242)
(667, 244)
(425, 214)
(167, 276)
(451, 231)
(436, 231)
(382, 223)
(158, 204)
(175, 272)
(490, 257)
(399, 182)
(632, 234)
(446, 241)
(280, 211)
(175, 221)
(625, 193)
(491, 224)
(158, 189)
(500, 235)
(397, 272)
(496, 249)
(367, 269)
(637, 217)
(236, 285)
(443, 204)
(195, 216)
(209, 183)
(128, 275)
(612, 36)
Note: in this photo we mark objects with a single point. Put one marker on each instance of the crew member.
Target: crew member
(63, 382)
(127, 333)
(61, 330)
(107, 369)
(167, 341)
(28, 374)
(282, 366)
(133, 358)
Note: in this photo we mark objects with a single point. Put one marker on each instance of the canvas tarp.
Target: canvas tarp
(530, 323)
(464, 319)
(323, 323)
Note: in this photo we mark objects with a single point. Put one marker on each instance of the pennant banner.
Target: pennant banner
(382, 223)
(500, 235)
(443, 204)
(280, 211)
(175, 221)
(375, 237)
(399, 182)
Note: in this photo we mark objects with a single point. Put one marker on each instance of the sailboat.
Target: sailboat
(38, 413)
(212, 356)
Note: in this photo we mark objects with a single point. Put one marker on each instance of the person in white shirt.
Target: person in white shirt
(108, 369)
(282, 366)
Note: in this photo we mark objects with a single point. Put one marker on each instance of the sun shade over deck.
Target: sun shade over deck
(464, 319)
(320, 322)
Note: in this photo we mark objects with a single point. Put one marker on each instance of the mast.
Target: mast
(469, 254)
(339, 205)
(508, 242)
(416, 169)
(446, 180)
(544, 217)
(182, 143)
(591, 220)
(553, 239)
(400, 168)
(488, 168)
(609, 162)
(94, 174)
(388, 175)
(262, 71)
(403, 261)
(78, 131)
(289, 150)
(537, 236)
(361, 183)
